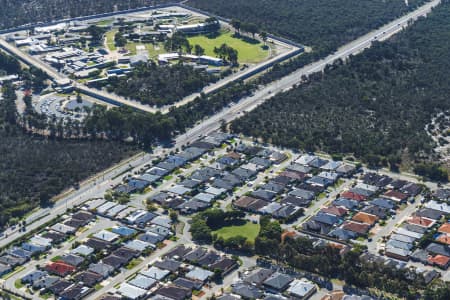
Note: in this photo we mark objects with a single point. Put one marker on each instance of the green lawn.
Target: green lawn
(133, 263)
(248, 230)
(104, 22)
(110, 40)
(247, 52)
(18, 284)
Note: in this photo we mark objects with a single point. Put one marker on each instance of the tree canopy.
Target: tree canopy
(375, 106)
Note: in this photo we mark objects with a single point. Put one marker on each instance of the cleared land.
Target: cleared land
(250, 51)
(248, 230)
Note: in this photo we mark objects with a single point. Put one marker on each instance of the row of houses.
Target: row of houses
(156, 173)
(221, 177)
(423, 237)
(371, 199)
(284, 195)
(100, 256)
(176, 275)
(262, 283)
(40, 243)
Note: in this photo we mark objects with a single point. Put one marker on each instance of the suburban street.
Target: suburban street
(96, 187)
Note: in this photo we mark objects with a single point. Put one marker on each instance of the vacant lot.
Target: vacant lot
(248, 230)
(248, 51)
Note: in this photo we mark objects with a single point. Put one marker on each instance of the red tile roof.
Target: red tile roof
(445, 228)
(353, 196)
(294, 175)
(337, 211)
(233, 155)
(395, 195)
(439, 260)
(59, 268)
(444, 239)
(356, 227)
(365, 218)
(421, 221)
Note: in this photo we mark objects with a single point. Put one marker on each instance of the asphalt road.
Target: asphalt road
(104, 180)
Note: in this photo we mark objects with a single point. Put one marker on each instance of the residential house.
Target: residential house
(277, 282)
(102, 269)
(301, 289)
(59, 268)
(174, 292)
(143, 282)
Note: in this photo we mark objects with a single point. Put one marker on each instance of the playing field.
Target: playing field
(247, 52)
(248, 230)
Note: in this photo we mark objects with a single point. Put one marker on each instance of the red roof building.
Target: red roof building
(365, 218)
(59, 268)
(294, 175)
(356, 227)
(421, 221)
(334, 210)
(441, 261)
(445, 228)
(395, 196)
(353, 196)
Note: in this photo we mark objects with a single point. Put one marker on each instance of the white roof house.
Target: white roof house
(129, 291)
(83, 250)
(106, 235)
(41, 241)
(137, 245)
(215, 191)
(179, 190)
(409, 233)
(305, 159)
(94, 203)
(199, 274)
(62, 228)
(143, 282)
(105, 207)
(302, 288)
(204, 197)
(329, 175)
(156, 273)
(443, 207)
(331, 165)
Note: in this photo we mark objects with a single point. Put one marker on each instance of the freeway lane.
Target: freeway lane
(227, 114)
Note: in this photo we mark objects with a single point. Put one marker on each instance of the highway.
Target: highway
(228, 114)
